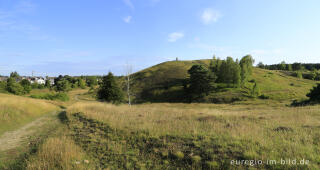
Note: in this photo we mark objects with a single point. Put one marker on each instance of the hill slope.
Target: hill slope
(164, 83)
(15, 111)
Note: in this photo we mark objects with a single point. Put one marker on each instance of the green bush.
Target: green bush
(51, 96)
(314, 94)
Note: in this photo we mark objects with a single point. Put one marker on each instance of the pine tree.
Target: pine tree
(200, 82)
(109, 90)
(314, 94)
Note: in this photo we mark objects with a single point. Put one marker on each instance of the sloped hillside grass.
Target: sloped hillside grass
(164, 83)
(15, 111)
(280, 86)
(208, 136)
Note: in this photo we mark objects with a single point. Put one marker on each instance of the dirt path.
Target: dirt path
(11, 140)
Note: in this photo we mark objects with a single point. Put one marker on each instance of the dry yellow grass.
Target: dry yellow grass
(59, 153)
(16, 111)
(267, 132)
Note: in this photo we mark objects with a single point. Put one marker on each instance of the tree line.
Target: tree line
(290, 67)
(16, 85)
(233, 73)
(301, 70)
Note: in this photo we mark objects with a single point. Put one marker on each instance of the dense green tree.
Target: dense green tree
(48, 83)
(229, 72)
(91, 81)
(14, 75)
(81, 83)
(109, 90)
(14, 87)
(246, 68)
(3, 86)
(297, 66)
(314, 94)
(63, 86)
(199, 82)
(283, 65)
(26, 85)
(236, 77)
(260, 65)
(289, 67)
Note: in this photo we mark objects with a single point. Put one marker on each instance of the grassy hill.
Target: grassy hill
(164, 83)
(15, 111)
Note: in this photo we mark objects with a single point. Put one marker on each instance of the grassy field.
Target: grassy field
(160, 135)
(15, 111)
(196, 135)
(59, 152)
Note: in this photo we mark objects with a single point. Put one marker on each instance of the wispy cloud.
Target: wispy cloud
(25, 7)
(173, 37)
(210, 15)
(127, 19)
(129, 4)
(268, 52)
(10, 22)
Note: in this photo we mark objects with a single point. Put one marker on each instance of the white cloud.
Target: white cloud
(129, 4)
(209, 15)
(173, 37)
(127, 19)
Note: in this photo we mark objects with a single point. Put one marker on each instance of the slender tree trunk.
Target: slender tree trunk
(128, 73)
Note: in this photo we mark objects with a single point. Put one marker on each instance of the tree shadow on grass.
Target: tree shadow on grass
(63, 117)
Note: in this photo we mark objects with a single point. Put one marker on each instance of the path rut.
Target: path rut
(13, 139)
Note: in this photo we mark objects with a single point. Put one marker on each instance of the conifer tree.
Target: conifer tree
(200, 82)
(314, 94)
(109, 90)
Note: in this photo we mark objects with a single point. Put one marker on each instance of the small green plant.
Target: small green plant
(178, 155)
(196, 159)
(51, 96)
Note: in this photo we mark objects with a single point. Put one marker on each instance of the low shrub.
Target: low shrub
(51, 96)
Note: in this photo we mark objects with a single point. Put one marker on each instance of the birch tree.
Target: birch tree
(128, 74)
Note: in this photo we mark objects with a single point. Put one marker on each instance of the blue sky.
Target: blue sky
(82, 37)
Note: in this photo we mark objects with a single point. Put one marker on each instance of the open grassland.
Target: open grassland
(196, 135)
(15, 111)
(58, 153)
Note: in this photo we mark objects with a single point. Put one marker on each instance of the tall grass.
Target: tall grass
(259, 131)
(16, 111)
(59, 153)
